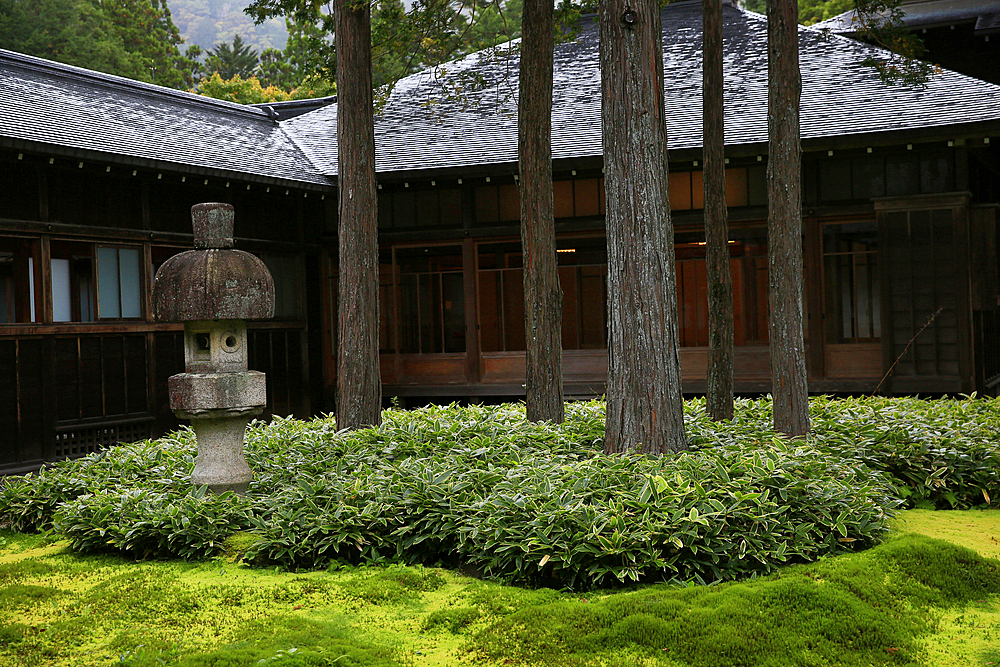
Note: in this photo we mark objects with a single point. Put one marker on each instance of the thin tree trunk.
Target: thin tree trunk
(542, 293)
(719, 399)
(645, 409)
(359, 388)
(784, 225)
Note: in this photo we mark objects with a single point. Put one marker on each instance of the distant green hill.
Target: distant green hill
(210, 22)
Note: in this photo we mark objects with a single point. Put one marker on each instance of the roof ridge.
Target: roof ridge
(93, 77)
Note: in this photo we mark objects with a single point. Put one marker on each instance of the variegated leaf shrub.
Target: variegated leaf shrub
(482, 488)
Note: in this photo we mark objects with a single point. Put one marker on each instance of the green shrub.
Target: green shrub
(538, 503)
(183, 521)
(941, 453)
(30, 503)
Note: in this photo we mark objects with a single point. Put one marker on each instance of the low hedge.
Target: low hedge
(483, 487)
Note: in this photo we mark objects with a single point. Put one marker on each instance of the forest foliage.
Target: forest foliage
(211, 22)
(136, 39)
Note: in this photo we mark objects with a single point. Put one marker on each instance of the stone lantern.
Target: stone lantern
(213, 290)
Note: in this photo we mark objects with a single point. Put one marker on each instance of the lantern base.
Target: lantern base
(221, 465)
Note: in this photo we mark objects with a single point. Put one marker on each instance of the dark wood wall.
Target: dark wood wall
(925, 249)
(877, 269)
(68, 388)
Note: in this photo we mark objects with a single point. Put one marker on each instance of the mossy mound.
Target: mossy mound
(870, 608)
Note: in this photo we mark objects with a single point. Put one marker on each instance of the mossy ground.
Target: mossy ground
(970, 634)
(910, 602)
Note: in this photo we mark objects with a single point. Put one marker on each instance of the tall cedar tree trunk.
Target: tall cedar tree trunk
(784, 224)
(645, 410)
(542, 294)
(719, 399)
(359, 388)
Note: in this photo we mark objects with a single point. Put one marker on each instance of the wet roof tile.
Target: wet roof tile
(47, 104)
(464, 113)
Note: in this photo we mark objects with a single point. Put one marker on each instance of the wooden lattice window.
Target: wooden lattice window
(72, 442)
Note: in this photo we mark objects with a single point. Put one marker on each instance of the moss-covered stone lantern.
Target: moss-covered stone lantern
(213, 290)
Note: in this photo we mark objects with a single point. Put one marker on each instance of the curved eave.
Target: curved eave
(89, 155)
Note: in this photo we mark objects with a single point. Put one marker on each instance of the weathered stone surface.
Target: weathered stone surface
(198, 393)
(214, 284)
(220, 464)
(213, 225)
(215, 346)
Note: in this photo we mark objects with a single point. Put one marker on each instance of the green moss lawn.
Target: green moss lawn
(911, 601)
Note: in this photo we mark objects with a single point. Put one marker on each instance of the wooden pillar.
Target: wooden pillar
(43, 286)
(815, 352)
(963, 296)
(472, 374)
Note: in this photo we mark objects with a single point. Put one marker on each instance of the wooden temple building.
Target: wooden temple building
(98, 173)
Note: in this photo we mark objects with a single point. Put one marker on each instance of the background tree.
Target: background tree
(132, 38)
(193, 71)
(359, 385)
(75, 32)
(543, 298)
(644, 381)
(492, 23)
(719, 398)
(403, 40)
(297, 70)
(784, 222)
(147, 29)
(209, 22)
(229, 60)
(273, 69)
(240, 90)
(814, 11)
(810, 11)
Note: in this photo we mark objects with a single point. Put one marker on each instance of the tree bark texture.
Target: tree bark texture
(543, 296)
(719, 398)
(784, 225)
(359, 388)
(645, 409)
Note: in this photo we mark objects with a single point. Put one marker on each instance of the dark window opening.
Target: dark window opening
(851, 283)
(19, 281)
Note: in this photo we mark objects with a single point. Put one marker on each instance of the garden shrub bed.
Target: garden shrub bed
(482, 487)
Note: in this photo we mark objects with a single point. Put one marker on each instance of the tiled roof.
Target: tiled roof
(931, 13)
(464, 114)
(65, 109)
(422, 127)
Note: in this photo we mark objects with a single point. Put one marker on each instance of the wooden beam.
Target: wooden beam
(922, 202)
